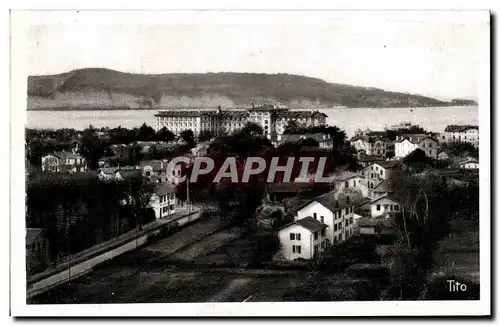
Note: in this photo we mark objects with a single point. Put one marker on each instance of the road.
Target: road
(150, 274)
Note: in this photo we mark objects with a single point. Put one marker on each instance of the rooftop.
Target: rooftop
(163, 189)
(308, 223)
(460, 128)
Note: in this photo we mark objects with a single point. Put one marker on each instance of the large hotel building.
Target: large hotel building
(273, 119)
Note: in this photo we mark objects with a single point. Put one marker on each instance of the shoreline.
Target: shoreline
(209, 108)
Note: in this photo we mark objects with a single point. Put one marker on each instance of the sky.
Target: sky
(437, 59)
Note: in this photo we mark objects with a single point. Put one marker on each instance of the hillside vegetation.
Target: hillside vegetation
(103, 88)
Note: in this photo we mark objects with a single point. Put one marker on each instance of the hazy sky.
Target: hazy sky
(433, 59)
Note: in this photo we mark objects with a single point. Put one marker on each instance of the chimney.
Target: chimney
(253, 104)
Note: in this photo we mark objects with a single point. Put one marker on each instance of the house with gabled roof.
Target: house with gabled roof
(302, 239)
(407, 144)
(383, 205)
(64, 162)
(462, 133)
(334, 210)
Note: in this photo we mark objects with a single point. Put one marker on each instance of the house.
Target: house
(382, 205)
(324, 140)
(64, 162)
(37, 250)
(371, 144)
(277, 192)
(303, 238)
(200, 149)
(364, 160)
(119, 173)
(469, 164)
(377, 226)
(352, 182)
(107, 161)
(163, 200)
(461, 133)
(384, 187)
(152, 168)
(334, 211)
(443, 156)
(404, 145)
(379, 171)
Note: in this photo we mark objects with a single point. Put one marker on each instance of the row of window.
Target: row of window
(167, 208)
(165, 197)
(386, 206)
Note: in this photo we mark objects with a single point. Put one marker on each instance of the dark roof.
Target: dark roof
(369, 158)
(32, 234)
(368, 221)
(308, 223)
(388, 196)
(469, 161)
(384, 186)
(361, 201)
(66, 155)
(388, 164)
(266, 107)
(288, 187)
(329, 201)
(130, 173)
(184, 113)
(163, 189)
(298, 114)
(460, 128)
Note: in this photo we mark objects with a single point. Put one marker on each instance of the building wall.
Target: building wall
(430, 147)
(383, 206)
(359, 183)
(470, 166)
(316, 211)
(467, 136)
(306, 242)
(338, 222)
(37, 255)
(401, 149)
(164, 206)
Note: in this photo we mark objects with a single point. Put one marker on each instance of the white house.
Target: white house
(461, 133)
(405, 145)
(336, 213)
(469, 164)
(64, 162)
(163, 200)
(302, 238)
(379, 171)
(383, 205)
(118, 173)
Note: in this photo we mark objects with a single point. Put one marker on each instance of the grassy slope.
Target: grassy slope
(240, 88)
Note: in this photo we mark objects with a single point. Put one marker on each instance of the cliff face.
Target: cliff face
(104, 88)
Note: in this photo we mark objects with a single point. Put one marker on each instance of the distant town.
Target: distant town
(399, 217)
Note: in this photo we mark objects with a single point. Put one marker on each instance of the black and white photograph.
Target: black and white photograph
(250, 163)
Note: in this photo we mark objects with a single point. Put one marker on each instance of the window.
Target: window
(316, 235)
(322, 219)
(316, 248)
(292, 236)
(381, 172)
(172, 207)
(298, 249)
(371, 175)
(347, 234)
(315, 216)
(396, 207)
(354, 183)
(378, 207)
(340, 237)
(352, 220)
(340, 225)
(323, 232)
(335, 227)
(297, 236)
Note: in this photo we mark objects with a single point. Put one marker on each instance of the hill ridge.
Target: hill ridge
(108, 88)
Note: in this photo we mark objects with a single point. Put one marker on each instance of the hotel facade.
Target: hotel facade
(273, 119)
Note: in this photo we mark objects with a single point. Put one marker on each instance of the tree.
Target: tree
(292, 127)
(92, 148)
(164, 135)
(145, 133)
(252, 130)
(138, 197)
(188, 137)
(205, 135)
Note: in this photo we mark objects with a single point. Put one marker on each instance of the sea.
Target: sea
(433, 119)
